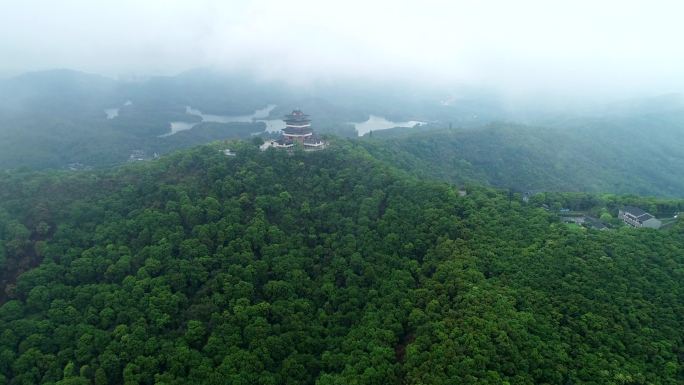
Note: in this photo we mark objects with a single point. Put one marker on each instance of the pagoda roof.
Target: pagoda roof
(313, 139)
(297, 114)
(284, 141)
(297, 111)
(297, 131)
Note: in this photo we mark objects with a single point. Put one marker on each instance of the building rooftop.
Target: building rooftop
(284, 141)
(634, 211)
(313, 139)
(297, 112)
(639, 213)
(595, 223)
(296, 115)
(297, 130)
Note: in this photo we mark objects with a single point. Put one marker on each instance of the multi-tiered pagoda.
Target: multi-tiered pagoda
(298, 130)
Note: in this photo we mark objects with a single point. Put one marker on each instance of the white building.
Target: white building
(637, 217)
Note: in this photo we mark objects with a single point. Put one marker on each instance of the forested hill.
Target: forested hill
(636, 155)
(321, 268)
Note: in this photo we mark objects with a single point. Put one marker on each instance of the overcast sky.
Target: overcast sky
(569, 46)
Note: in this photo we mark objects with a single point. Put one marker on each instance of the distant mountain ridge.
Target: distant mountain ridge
(595, 156)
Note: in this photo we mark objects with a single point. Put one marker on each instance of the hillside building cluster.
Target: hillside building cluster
(638, 218)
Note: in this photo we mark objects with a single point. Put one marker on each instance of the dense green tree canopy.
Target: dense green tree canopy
(640, 155)
(321, 268)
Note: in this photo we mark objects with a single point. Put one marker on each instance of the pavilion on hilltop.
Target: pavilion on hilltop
(298, 130)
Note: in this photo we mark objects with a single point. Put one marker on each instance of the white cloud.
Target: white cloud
(577, 46)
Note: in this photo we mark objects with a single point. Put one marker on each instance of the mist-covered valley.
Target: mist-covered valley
(62, 118)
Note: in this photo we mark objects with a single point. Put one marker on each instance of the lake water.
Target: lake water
(112, 113)
(376, 123)
(177, 127)
(257, 116)
(273, 125)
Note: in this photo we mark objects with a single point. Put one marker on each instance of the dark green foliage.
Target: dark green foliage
(323, 268)
(619, 157)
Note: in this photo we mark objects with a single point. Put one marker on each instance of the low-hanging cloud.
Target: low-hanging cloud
(574, 47)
